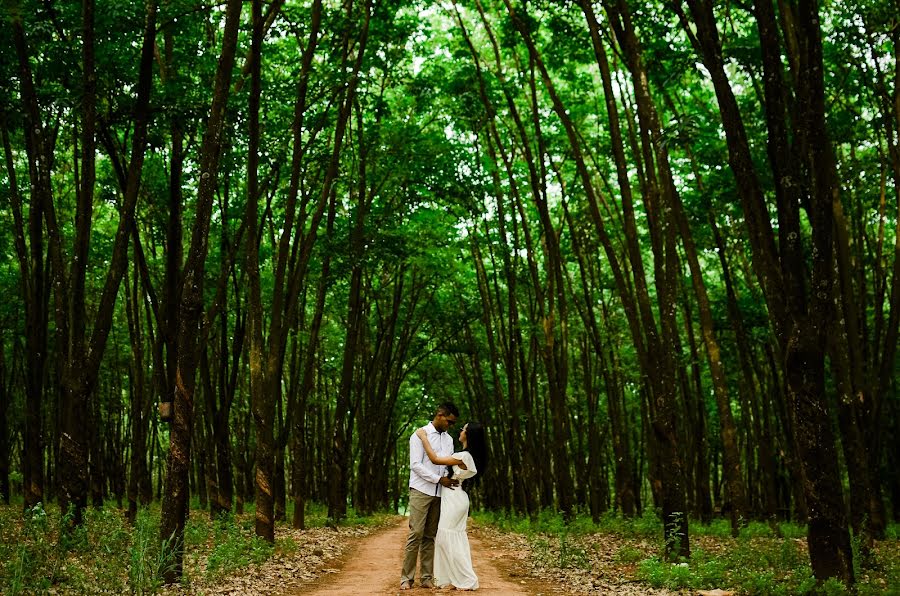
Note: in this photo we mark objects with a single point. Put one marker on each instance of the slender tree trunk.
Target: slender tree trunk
(798, 313)
(176, 501)
(299, 448)
(763, 436)
(81, 364)
(33, 269)
(4, 428)
(261, 396)
(338, 483)
(137, 413)
(702, 494)
(660, 199)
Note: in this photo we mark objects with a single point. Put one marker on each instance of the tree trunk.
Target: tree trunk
(81, 363)
(338, 481)
(4, 428)
(175, 503)
(798, 313)
(32, 269)
(702, 494)
(136, 412)
(660, 199)
(761, 424)
(299, 447)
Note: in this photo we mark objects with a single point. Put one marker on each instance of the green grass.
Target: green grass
(552, 522)
(751, 567)
(107, 554)
(754, 529)
(756, 562)
(235, 546)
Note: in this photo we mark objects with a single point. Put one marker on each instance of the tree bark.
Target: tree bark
(80, 360)
(32, 268)
(262, 399)
(4, 428)
(138, 413)
(175, 502)
(338, 484)
(799, 313)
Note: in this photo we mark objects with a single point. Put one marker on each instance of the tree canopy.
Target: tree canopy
(653, 246)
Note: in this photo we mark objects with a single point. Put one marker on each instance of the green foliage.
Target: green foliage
(429, 171)
(661, 574)
(33, 567)
(571, 554)
(755, 529)
(647, 525)
(750, 566)
(148, 557)
(892, 532)
(235, 548)
(317, 517)
(353, 518)
(46, 544)
(757, 562)
(629, 554)
(761, 564)
(36, 556)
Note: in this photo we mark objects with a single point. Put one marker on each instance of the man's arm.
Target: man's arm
(416, 461)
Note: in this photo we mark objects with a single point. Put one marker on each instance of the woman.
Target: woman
(452, 557)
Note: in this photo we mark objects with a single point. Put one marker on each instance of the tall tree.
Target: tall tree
(798, 308)
(175, 502)
(31, 260)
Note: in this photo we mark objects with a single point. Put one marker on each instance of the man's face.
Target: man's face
(443, 422)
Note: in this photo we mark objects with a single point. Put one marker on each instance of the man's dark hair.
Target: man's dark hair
(448, 407)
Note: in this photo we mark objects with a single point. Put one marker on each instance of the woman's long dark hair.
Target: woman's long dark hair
(476, 445)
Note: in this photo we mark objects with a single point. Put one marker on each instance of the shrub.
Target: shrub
(572, 555)
(629, 554)
(34, 563)
(235, 548)
(148, 556)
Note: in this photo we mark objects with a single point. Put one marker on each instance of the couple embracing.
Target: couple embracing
(438, 503)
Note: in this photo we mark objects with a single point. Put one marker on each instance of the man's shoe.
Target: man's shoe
(405, 585)
(427, 583)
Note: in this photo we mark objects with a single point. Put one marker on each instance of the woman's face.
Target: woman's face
(462, 434)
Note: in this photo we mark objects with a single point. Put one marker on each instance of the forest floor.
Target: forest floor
(355, 561)
(373, 567)
(352, 560)
(512, 555)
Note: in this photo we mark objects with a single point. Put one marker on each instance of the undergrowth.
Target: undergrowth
(631, 549)
(108, 555)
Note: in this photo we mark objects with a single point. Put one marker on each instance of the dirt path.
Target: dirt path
(373, 567)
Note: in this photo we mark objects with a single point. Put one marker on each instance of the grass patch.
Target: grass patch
(755, 529)
(108, 555)
(235, 547)
(552, 522)
(629, 554)
(757, 562)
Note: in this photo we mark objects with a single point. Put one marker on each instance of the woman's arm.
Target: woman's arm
(435, 459)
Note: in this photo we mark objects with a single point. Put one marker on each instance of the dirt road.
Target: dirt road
(373, 567)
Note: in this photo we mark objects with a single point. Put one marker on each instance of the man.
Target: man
(426, 481)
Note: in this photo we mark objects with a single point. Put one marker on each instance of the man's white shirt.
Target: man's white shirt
(425, 476)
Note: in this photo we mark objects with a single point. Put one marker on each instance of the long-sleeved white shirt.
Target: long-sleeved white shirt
(425, 476)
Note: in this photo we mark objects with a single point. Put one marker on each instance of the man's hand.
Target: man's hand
(450, 483)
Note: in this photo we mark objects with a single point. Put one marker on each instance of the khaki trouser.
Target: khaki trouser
(424, 513)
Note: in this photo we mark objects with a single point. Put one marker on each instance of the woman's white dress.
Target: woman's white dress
(452, 557)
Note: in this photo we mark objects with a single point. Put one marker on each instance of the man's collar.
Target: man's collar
(431, 429)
